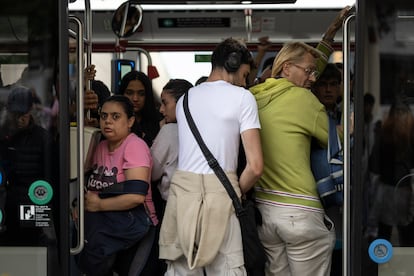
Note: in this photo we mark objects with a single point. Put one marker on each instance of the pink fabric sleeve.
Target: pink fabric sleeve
(136, 153)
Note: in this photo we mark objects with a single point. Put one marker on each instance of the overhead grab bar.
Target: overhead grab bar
(145, 52)
(152, 71)
(74, 35)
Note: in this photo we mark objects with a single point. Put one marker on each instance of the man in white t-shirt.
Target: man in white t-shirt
(200, 232)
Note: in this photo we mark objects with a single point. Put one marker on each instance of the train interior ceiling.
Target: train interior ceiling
(178, 34)
(177, 28)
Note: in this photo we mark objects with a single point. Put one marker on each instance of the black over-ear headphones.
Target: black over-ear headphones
(233, 62)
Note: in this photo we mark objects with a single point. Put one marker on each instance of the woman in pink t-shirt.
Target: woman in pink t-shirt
(119, 208)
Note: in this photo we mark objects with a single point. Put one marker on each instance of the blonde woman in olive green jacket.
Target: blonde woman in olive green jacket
(296, 234)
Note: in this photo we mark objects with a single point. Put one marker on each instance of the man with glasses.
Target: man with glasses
(296, 233)
(327, 90)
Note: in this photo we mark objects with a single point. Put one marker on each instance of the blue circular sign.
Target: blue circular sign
(380, 251)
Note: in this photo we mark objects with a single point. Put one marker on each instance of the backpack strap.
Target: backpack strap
(334, 143)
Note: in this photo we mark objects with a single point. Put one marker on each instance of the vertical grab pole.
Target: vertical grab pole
(80, 143)
(347, 146)
(88, 33)
(248, 23)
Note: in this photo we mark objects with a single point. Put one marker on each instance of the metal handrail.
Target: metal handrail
(347, 146)
(80, 139)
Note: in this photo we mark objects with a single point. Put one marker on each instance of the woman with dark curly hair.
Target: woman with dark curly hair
(138, 88)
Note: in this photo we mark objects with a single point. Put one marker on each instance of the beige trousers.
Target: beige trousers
(229, 260)
(297, 242)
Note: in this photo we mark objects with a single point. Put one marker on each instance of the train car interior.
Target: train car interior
(46, 45)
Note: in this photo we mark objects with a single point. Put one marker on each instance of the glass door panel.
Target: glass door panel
(33, 210)
(382, 196)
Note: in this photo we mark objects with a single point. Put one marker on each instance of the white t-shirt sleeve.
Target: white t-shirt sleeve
(249, 117)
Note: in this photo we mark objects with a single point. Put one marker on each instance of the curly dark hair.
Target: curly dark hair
(150, 116)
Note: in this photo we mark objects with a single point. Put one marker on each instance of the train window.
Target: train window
(180, 65)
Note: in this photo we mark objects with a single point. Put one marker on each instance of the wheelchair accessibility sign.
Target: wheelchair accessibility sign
(35, 216)
(380, 251)
(27, 212)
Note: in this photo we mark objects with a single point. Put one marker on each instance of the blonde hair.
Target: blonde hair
(292, 52)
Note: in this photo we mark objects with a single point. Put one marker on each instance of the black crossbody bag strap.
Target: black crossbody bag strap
(212, 162)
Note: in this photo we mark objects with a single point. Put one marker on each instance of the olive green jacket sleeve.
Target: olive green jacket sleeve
(326, 50)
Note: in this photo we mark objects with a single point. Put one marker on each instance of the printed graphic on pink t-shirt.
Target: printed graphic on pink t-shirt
(102, 178)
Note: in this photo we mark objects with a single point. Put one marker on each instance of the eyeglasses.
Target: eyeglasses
(310, 72)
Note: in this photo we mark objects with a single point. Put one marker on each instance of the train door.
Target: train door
(379, 230)
(34, 131)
